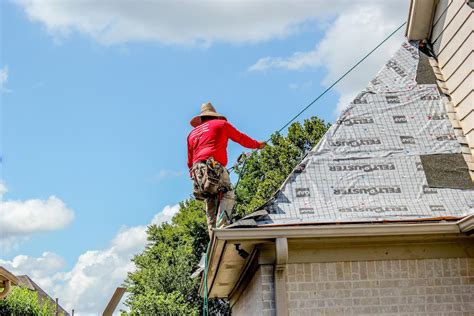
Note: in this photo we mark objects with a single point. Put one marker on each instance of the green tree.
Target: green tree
(264, 171)
(24, 302)
(162, 283)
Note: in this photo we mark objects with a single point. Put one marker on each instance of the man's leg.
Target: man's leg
(199, 170)
(228, 200)
(226, 207)
(211, 210)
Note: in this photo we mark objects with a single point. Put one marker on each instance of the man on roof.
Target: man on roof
(207, 158)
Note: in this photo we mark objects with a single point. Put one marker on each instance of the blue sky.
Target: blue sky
(97, 125)
(97, 116)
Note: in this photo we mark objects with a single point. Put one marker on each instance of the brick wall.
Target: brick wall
(425, 286)
(258, 297)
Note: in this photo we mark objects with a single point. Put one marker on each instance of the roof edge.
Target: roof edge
(271, 234)
(346, 230)
(7, 275)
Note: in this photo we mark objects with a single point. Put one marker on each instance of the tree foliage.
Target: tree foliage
(24, 302)
(162, 283)
(264, 171)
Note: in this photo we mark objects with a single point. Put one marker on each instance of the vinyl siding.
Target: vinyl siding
(452, 36)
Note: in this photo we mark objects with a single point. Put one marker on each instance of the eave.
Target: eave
(341, 230)
(7, 279)
(227, 269)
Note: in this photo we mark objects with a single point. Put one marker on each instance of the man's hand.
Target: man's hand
(261, 145)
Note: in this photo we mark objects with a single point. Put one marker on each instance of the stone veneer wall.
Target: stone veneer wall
(421, 287)
(258, 298)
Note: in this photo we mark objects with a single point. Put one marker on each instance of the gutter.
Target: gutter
(420, 19)
(346, 230)
(114, 301)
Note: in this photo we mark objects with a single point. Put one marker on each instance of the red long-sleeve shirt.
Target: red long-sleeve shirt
(210, 140)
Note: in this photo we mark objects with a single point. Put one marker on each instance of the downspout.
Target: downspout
(281, 260)
(466, 225)
(112, 305)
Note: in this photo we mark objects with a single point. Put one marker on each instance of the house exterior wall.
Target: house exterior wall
(421, 286)
(443, 286)
(452, 36)
(258, 298)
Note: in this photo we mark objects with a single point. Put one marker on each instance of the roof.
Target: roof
(372, 171)
(368, 167)
(6, 275)
(7, 279)
(27, 282)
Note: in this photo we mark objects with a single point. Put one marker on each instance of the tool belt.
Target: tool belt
(207, 179)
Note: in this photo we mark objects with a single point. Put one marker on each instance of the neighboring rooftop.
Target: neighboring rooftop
(26, 281)
(373, 163)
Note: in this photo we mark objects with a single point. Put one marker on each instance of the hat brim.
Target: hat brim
(197, 119)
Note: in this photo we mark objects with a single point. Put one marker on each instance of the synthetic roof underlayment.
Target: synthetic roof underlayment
(367, 167)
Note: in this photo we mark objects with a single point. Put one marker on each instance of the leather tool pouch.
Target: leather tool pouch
(212, 177)
(207, 183)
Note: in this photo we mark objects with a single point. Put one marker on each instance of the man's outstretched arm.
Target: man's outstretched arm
(241, 138)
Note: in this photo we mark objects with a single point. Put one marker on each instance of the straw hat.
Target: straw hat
(206, 110)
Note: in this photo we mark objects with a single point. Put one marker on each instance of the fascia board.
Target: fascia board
(213, 260)
(7, 275)
(328, 231)
(345, 230)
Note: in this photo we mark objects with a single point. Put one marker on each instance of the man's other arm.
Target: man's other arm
(190, 158)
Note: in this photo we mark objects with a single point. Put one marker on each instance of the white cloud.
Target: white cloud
(355, 31)
(299, 60)
(352, 28)
(129, 239)
(21, 219)
(166, 214)
(41, 270)
(89, 285)
(178, 22)
(3, 190)
(3, 77)
(32, 216)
